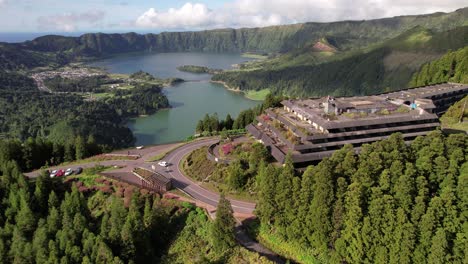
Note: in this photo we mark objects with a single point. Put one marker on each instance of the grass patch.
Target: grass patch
(100, 96)
(240, 196)
(458, 126)
(254, 56)
(257, 95)
(289, 250)
(89, 175)
(163, 154)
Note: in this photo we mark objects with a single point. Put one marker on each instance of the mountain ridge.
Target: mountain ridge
(345, 34)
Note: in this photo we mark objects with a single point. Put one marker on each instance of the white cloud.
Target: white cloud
(69, 22)
(189, 15)
(257, 13)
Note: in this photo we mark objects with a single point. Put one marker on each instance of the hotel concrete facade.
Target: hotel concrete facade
(312, 129)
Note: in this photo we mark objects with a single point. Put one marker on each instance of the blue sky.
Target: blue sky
(158, 15)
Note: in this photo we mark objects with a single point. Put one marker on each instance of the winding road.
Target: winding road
(180, 181)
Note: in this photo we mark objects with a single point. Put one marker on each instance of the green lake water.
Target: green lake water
(190, 101)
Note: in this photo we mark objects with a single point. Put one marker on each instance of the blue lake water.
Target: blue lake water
(190, 100)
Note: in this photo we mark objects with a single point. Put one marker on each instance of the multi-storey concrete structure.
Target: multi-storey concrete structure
(311, 129)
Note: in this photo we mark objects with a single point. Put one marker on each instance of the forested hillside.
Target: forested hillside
(383, 67)
(452, 67)
(46, 221)
(392, 203)
(345, 35)
(456, 116)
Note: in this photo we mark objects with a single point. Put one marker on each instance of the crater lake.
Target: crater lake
(190, 100)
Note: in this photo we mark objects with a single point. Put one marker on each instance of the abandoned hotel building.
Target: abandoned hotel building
(311, 129)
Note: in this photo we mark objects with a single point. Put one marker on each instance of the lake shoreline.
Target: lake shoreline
(236, 90)
(189, 101)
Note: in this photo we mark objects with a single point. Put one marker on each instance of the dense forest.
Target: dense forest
(143, 99)
(383, 67)
(61, 117)
(452, 67)
(90, 219)
(392, 203)
(43, 221)
(34, 153)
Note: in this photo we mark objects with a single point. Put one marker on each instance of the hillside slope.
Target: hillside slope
(452, 67)
(345, 35)
(456, 116)
(381, 67)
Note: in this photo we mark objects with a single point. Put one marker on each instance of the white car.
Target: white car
(69, 172)
(163, 164)
(53, 173)
(140, 147)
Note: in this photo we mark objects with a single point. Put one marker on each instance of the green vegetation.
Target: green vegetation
(141, 76)
(452, 67)
(194, 244)
(197, 69)
(88, 84)
(391, 203)
(35, 153)
(255, 55)
(90, 219)
(211, 123)
(345, 35)
(222, 230)
(257, 95)
(46, 221)
(61, 117)
(238, 179)
(377, 68)
(456, 116)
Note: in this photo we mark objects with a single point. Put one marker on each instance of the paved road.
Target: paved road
(192, 188)
(180, 181)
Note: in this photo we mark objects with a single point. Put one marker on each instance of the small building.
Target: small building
(152, 180)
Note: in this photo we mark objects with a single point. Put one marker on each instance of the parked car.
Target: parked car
(140, 147)
(78, 170)
(163, 163)
(69, 172)
(60, 173)
(53, 173)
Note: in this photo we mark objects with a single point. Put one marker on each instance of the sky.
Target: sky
(177, 15)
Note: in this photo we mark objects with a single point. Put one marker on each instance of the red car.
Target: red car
(60, 173)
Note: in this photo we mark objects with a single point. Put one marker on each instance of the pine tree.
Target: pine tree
(69, 152)
(321, 206)
(236, 177)
(439, 252)
(26, 220)
(283, 197)
(222, 229)
(350, 245)
(229, 122)
(266, 180)
(80, 148)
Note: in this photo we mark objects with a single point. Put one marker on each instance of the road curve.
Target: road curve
(192, 188)
(180, 181)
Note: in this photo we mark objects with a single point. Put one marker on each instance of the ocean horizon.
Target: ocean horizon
(16, 37)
